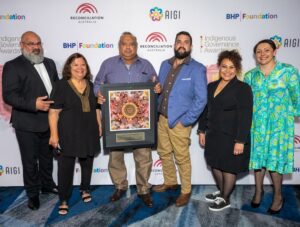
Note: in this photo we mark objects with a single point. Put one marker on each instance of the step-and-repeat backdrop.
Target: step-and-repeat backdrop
(93, 28)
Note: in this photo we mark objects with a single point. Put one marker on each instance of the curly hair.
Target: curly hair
(66, 72)
(234, 56)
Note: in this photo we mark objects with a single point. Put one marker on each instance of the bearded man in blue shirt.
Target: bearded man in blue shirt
(182, 100)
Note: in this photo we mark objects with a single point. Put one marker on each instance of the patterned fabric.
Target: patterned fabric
(276, 103)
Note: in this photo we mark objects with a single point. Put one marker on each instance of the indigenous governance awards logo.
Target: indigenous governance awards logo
(5, 110)
(86, 13)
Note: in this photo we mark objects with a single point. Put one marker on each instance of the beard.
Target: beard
(36, 56)
(182, 55)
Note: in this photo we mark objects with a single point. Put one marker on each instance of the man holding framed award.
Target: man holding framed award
(127, 68)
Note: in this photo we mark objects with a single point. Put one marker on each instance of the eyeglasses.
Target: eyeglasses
(32, 44)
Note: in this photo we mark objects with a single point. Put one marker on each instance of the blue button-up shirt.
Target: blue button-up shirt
(114, 70)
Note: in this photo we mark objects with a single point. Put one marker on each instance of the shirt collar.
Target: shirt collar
(136, 59)
(185, 61)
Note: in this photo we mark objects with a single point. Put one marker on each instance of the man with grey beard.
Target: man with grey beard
(27, 84)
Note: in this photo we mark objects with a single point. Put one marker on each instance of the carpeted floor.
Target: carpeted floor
(130, 211)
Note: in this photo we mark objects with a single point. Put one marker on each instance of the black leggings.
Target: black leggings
(66, 171)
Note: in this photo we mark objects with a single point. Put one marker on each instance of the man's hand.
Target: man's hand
(157, 87)
(42, 103)
(100, 99)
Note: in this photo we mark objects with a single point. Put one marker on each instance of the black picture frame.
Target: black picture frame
(129, 116)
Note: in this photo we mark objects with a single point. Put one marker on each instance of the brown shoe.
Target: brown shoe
(164, 187)
(146, 198)
(117, 195)
(183, 199)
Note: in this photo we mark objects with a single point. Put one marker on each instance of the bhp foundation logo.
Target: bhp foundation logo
(86, 8)
(156, 37)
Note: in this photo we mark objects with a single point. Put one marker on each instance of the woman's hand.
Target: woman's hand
(53, 141)
(238, 148)
(202, 139)
(100, 98)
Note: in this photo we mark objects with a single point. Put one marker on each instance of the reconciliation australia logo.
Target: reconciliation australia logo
(86, 13)
(157, 42)
(215, 44)
(287, 42)
(157, 14)
(157, 167)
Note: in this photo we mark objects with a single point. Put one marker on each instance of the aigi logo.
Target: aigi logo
(277, 40)
(156, 41)
(13, 17)
(286, 42)
(80, 45)
(156, 14)
(1, 170)
(245, 16)
(86, 13)
(86, 8)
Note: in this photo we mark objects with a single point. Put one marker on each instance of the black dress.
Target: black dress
(78, 130)
(225, 121)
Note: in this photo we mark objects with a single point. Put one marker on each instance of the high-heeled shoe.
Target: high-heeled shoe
(270, 211)
(256, 205)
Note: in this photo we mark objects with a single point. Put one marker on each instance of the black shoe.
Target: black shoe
(147, 200)
(213, 196)
(256, 205)
(53, 190)
(270, 211)
(219, 204)
(34, 203)
(117, 195)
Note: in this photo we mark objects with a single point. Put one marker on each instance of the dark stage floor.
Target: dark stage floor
(130, 211)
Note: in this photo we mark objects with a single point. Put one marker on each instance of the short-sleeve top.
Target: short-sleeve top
(77, 127)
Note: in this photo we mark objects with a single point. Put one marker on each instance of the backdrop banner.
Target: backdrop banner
(93, 28)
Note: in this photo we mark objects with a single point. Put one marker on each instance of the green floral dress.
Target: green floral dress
(276, 102)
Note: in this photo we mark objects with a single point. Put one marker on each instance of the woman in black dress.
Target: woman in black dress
(75, 127)
(224, 128)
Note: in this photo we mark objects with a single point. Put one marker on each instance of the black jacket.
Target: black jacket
(21, 85)
(230, 112)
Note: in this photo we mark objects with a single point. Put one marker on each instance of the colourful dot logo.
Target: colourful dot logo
(86, 8)
(156, 14)
(156, 37)
(277, 40)
(158, 163)
(1, 170)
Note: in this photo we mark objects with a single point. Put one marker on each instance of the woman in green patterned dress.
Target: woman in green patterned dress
(276, 96)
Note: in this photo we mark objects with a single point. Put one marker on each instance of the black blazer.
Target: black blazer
(230, 112)
(21, 85)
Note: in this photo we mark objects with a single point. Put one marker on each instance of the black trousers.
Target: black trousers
(66, 166)
(37, 161)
